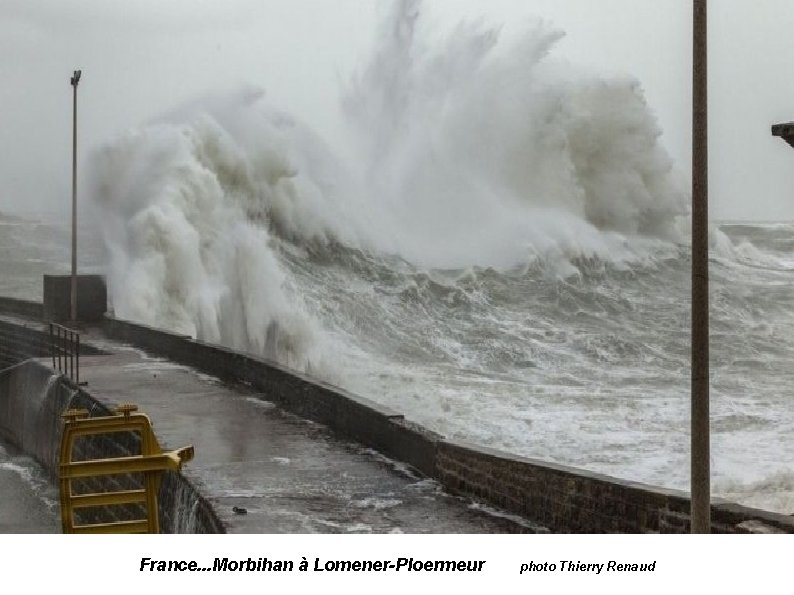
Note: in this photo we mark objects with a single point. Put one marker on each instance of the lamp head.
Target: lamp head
(76, 77)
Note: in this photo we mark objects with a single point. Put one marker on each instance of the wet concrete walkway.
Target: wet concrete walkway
(289, 475)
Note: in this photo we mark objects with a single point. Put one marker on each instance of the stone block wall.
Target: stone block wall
(569, 500)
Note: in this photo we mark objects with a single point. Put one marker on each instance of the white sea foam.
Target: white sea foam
(500, 254)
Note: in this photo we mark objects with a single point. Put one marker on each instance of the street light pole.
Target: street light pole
(700, 480)
(74, 81)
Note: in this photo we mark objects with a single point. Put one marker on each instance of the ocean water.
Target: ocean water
(497, 248)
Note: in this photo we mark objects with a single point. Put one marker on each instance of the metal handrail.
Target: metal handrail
(65, 351)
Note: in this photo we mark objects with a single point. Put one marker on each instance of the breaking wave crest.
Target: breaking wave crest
(190, 216)
(470, 152)
(497, 250)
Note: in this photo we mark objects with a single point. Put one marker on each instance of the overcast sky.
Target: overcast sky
(142, 57)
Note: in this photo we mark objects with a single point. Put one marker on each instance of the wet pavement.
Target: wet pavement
(281, 473)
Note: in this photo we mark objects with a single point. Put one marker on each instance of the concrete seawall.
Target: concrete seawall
(570, 500)
(32, 399)
(21, 307)
(355, 417)
(564, 499)
(561, 498)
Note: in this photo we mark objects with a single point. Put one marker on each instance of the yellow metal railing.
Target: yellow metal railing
(149, 465)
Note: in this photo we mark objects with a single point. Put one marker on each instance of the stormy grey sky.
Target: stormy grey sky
(142, 57)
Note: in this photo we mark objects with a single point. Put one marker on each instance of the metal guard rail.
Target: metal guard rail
(65, 351)
(150, 463)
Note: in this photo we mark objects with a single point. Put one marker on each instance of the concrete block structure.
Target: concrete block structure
(91, 298)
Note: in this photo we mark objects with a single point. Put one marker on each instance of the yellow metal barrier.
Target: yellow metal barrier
(149, 464)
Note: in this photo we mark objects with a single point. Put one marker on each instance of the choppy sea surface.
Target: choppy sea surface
(590, 371)
(496, 246)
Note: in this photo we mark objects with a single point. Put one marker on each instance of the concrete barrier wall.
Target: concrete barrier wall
(91, 298)
(27, 308)
(570, 500)
(355, 417)
(32, 399)
(561, 498)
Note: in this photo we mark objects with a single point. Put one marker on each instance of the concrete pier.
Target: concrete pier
(262, 470)
(279, 451)
(267, 471)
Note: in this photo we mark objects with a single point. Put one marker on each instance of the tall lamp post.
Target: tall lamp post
(700, 479)
(74, 81)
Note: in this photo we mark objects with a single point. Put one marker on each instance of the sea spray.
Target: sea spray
(501, 260)
(471, 154)
(186, 223)
(486, 153)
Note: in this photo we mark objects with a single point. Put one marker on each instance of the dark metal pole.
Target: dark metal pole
(52, 345)
(70, 347)
(73, 310)
(701, 482)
